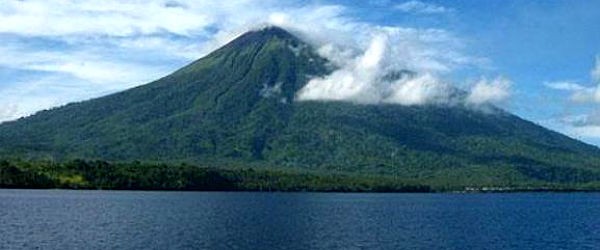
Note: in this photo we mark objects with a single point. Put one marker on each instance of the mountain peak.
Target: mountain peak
(263, 35)
(268, 52)
(274, 31)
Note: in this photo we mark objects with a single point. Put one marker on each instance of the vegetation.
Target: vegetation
(235, 107)
(79, 174)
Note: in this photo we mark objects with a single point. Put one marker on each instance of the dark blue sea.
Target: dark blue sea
(60, 219)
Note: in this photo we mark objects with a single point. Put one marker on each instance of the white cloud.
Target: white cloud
(110, 17)
(419, 90)
(25, 98)
(564, 85)
(584, 121)
(87, 67)
(580, 126)
(354, 81)
(363, 66)
(574, 128)
(579, 93)
(589, 94)
(489, 91)
(592, 131)
(8, 111)
(362, 79)
(95, 47)
(162, 45)
(422, 7)
(586, 95)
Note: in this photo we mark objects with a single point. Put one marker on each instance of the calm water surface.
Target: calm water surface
(59, 219)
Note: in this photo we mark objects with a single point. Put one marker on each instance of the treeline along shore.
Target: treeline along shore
(83, 174)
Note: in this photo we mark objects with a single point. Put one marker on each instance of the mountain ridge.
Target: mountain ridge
(236, 107)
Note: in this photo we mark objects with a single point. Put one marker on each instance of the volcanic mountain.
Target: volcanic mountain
(237, 106)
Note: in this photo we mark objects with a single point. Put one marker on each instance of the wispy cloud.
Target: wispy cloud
(588, 93)
(419, 7)
(586, 131)
(110, 17)
(23, 98)
(88, 67)
(565, 85)
(586, 123)
(489, 91)
(54, 77)
(582, 125)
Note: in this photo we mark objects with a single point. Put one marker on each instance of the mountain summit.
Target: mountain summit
(237, 107)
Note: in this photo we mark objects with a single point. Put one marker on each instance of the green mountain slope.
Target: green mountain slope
(235, 107)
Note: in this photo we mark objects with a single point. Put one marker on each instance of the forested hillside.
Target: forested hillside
(237, 107)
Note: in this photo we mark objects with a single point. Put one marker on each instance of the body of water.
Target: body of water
(62, 219)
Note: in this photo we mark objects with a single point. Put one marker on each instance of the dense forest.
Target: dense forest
(80, 174)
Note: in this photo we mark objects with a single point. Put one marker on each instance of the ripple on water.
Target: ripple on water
(60, 219)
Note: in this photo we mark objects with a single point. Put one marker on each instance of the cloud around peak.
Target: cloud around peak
(489, 91)
(90, 48)
(365, 79)
(418, 60)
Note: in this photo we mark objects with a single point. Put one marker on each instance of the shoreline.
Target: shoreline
(101, 175)
(511, 191)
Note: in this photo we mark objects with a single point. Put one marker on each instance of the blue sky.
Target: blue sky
(536, 58)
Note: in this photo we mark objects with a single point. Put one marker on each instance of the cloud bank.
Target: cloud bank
(368, 79)
(400, 66)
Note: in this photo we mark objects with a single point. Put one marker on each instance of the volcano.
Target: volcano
(237, 106)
